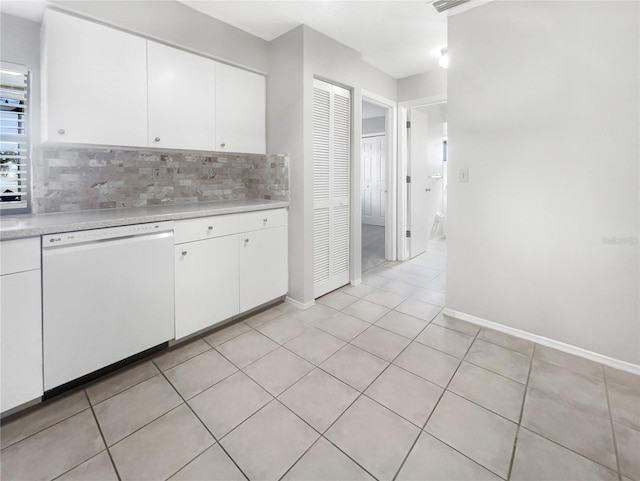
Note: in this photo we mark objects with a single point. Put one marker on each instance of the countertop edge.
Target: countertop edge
(46, 223)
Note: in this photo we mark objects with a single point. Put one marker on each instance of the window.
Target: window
(14, 139)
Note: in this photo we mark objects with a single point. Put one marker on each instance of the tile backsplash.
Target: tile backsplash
(83, 178)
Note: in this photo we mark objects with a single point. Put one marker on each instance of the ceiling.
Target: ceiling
(399, 37)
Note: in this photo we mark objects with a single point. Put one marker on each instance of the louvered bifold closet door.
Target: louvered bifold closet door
(331, 167)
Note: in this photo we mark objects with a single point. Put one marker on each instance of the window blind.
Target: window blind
(14, 138)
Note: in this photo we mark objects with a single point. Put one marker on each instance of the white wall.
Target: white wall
(429, 84)
(544, 111)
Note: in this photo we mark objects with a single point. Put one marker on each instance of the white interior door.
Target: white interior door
(331, 168)
(418, 188)
(373, 180)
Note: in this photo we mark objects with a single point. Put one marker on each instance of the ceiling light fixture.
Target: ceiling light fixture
(444, 58)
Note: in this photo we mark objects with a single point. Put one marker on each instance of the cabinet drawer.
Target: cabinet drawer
(19, 255)
(221, 225)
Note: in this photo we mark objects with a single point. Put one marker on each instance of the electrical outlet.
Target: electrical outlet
(157, 174)
(463, 175)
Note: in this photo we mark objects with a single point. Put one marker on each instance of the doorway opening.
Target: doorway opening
(375, 167)
(423, 162)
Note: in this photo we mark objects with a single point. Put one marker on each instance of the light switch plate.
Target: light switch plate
(463, 175)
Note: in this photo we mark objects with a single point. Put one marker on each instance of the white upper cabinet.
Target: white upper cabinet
(181, 99)
(240, 110)
(94, 83)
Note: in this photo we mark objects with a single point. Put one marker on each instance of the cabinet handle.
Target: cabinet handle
(210, 227)
(223, 145)
(157, 139)
(61, 131)
(184, 253)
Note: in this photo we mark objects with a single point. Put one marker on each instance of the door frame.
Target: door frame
(391, 204)
(403, 153)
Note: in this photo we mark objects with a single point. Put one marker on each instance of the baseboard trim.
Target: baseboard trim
(545, 341)
(356, 282)
(298, 304)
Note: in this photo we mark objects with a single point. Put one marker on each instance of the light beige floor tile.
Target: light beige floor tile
(365, 310)
(254, 320)
(225, 405)
(445, 340)
(438, 284)
(324, 462)
(569, 361)
(229, 332)
(490, 390)
(623, 378)
(385, 298)
(432, 460)
(419, 281)
(628, 442)
(374, 437)
(456, 324)
(315, 314)
(319, 399)
(337, 300)
(501, 360)
(128, 411)
(428, 363)
(162, 447)
(180, 353)
(381, 342)
(283, 328)
(41, 417)
(399, 287)
(360, 290)
(343, 326)
(476, 432)
(505, 340)
(286, 307)
(375, 280)
(278, 370)
(432, 297)
(98, 468)
(402, 324)
(406, 394)
(419, 309)
(354, 366)
(419, 270)
(212, 465)
(575, 428)
(583, 391)
(53, 451)
(625, 405)
(269, 442)
(199, 373)
(538, 459)
(315, 345)
(121, 380)
(246, 348)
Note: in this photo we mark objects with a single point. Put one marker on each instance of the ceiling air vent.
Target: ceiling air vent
(442, 5)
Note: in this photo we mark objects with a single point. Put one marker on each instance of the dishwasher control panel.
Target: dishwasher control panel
(96, 235)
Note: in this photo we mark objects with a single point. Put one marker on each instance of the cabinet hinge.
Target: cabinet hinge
(408, 179)
(408, 124)
(408, 233)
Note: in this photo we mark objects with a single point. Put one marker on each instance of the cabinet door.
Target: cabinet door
(206, 284)
(20, 339)
(263, 266)
(181, 99)
(94, 83)
(240, 110)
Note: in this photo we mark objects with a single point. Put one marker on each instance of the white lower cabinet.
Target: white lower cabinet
(20, 323)
(227, 265)
(206, 283)
(263, 266)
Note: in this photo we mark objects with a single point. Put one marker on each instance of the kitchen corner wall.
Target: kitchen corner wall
(82, 178)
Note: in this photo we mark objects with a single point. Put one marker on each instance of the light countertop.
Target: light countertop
(31, 225)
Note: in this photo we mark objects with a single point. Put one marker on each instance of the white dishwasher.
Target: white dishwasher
(107, 295)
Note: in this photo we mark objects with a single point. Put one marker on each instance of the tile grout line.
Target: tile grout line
(106, 446)
(518, 424)
(613, 431)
